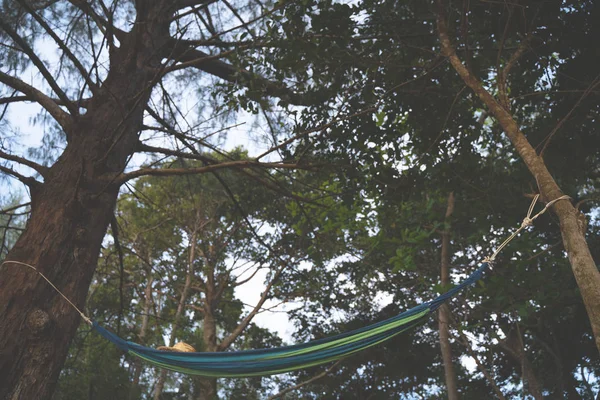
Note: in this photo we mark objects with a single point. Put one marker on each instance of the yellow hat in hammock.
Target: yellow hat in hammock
(180, 347)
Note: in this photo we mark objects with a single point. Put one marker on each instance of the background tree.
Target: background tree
(108, 97)
(181, 252)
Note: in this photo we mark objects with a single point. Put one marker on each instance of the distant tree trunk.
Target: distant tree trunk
(444, 311)
(160, 384)
(584, 268)
(70, 213)
(513, 346)
(137, 363)
(208, 386)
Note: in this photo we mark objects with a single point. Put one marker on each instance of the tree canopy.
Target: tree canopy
(390, 147)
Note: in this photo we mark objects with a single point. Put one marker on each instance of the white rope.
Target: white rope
(527, 221)
(83, 316)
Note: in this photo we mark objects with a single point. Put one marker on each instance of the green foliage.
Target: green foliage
(397, 131)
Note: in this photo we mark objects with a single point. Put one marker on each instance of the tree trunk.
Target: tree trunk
(583, 265)
(513, 346)
(70, 213)
(160, 384)
(137, 363)
(208, 386)
(444, 311)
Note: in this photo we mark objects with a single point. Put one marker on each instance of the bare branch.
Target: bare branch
(7, 210)
(39, 64)
(15, 99)
(503, 73)
(175, 153)
(240, 283)
(243, 164)
(200, 5)
(306, 382)
(26, 180)
(190, 57)
(225, 343)
(63, 118)
(15, 228)
(465, 342)
(193, 3)
(88, 10)
(84, 73)
(33, 165)
(592, 86)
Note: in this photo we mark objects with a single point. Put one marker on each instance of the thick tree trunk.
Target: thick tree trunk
(583, 265)
(70, 213)
(444, 311)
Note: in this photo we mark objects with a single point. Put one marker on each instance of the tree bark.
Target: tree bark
(70, 213)
(444, 310)
(584, 268)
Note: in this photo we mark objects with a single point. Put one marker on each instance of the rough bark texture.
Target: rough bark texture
(444, 311)
(70, 213)
(583, 265)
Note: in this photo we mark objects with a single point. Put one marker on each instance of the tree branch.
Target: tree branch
(33, 165)
(88, 10)
(190, 57)
(503, 73)
(7, 210)
(306, 382)
(176, 153)
(26, 180)
(84, 73)
(465, 342)
(192, 3)
(63, 118)
(225, 343)
(244, 164)
(39, 64)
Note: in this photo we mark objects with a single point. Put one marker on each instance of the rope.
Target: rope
(528, 220)
(83, 316)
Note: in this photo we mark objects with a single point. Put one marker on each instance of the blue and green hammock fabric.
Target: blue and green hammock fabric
(289, 358)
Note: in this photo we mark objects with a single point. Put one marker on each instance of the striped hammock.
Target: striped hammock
(289, 358)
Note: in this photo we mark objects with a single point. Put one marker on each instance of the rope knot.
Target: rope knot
(526, 222)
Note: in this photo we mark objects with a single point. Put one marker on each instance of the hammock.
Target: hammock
(246, 363)
(289, 358)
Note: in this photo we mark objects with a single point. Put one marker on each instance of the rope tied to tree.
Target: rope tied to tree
(527, 221)
(83, 316)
